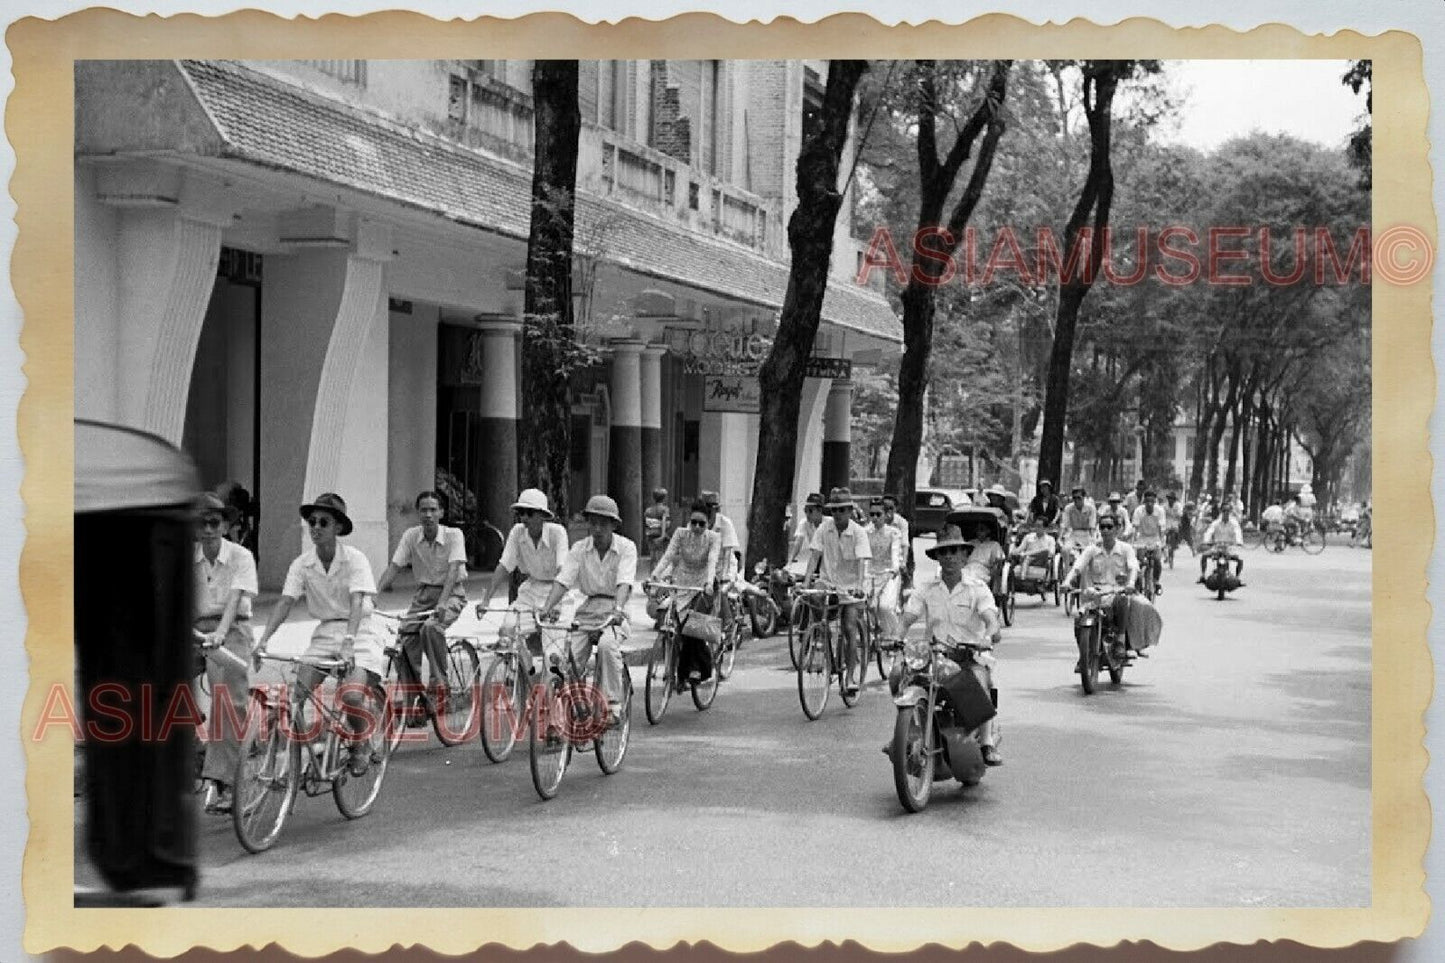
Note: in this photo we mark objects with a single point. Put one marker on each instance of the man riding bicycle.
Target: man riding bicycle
(225, 577)
(336, 581)
(842, 553)
(1078, 522)
(601, 567)
(886, 545)
(1149, 523)
(891, 517)
(536, 546)
(727, 570)
(437, 557)
(1115, 510)
(802, 542)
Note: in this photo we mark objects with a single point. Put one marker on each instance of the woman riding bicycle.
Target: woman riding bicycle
(691, 559)
(338, 586)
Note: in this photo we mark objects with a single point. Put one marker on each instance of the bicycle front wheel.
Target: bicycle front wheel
(550, 749)
(815, 669)
(704, 692)
(661, 671)
(611, 746)
(454, 721)
(728, 657)
(1313, 542)
(264, 788)
(355, 793)
(504, 703)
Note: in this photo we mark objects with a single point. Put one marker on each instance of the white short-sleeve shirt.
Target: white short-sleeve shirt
(429, 561)
(328, 591)
(234, 568)
(593, 574)
(540, 560)
(843, 553)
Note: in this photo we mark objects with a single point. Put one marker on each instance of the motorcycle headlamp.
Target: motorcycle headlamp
(916, 654)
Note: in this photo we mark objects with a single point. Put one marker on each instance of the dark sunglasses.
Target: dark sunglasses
(697, 522)
(213, 521)
(319, 521)
(1106, 528)
(876, 514)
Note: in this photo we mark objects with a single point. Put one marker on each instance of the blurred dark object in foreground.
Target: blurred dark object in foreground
(134, 542)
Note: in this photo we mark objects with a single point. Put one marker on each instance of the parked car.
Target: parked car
(932, 505)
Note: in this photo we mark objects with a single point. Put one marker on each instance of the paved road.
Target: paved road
(1231, 769)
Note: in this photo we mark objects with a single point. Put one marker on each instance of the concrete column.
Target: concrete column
(837, 434)
(412, 414)
(724, 465)
(324, 394)
(652, 456)
(498, 423)
(808, 455)
(167, 243)
(624, 461)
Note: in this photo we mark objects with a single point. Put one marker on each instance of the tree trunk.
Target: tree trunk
(1203, 428)
(810, 237)
(1235, 418)
(1096, 197)
(936, 181)
(544, 432)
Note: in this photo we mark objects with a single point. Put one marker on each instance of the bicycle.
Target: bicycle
(664, 668)
(1147, 586)
(821, 658)
(726, 655)
(574, 714)
(273, 769)
(506, 688)
(884, 651)
(453, 724)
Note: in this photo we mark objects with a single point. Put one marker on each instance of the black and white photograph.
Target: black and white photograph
(776, 484)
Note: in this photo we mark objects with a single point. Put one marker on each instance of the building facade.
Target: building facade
(310, 275)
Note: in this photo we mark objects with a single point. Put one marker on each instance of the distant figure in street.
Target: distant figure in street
(536, 546)
(842, 553)
(656, 521)
(728, 560)
(1045, 505)
(803, 538)
(1135, 498)
(891, 517)
(691, 559)
(886, 545)
(1225, 534)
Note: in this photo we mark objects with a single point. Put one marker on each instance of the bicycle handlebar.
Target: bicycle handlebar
(403, 616)
(326, 665)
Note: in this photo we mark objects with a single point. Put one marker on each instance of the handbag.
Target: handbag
(703, 627)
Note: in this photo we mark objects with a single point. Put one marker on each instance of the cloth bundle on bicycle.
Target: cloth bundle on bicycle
(701, 626)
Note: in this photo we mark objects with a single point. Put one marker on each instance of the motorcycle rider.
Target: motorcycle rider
(1109, 562)
(1149, 522)
(1223, 534)
(957, 611)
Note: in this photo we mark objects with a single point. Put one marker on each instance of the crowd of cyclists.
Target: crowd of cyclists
(866, 560)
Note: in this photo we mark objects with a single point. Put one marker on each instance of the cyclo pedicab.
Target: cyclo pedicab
(1032, 578)
(993, 521)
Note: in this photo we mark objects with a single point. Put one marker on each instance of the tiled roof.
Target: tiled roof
(267, 122)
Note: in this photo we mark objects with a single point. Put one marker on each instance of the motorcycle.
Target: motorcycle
(941, 705)
(1099, 640)
(1219, 573)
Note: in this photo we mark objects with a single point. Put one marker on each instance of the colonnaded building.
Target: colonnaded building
(309, 275)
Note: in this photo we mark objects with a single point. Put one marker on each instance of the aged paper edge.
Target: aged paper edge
(39, 123)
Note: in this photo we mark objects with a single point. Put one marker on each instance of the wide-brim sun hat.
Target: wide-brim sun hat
(336, 505)
(840, 498)
(532, 499)
(1115, 497)
(950, 537)
(1044, 482)
(602, 507)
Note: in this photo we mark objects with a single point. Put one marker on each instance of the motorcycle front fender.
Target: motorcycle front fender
(911, 696)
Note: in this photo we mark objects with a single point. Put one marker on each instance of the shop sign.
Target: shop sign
(837, 368)
(731, 393)
(737, 351)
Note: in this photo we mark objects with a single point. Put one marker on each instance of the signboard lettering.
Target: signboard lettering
(731, 393)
